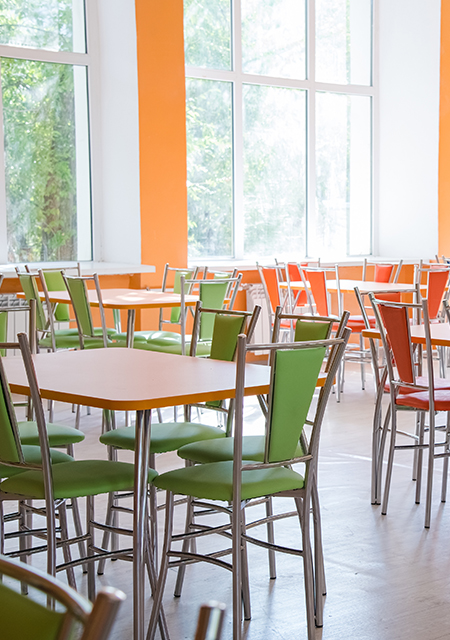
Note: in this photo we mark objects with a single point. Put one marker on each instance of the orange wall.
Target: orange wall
(444, 133)
(162, 134)
(162, 139)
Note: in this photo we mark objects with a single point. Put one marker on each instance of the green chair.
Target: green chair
(25, 617)
(306, 329)
(55, 483)
(212, 295)
(47, 337)
(295, 369)
(55, 282)
(89, 337)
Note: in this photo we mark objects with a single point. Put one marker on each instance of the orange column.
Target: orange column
(444, 133)
(162, 134)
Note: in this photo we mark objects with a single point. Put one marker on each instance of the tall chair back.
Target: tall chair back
(189, 274)
(212, 294)
(78, 292)
(437, 279)
(315, 283)
(382, 271)
(24, 617)
(270, 280)
(28, 282)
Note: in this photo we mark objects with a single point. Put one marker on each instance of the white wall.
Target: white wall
(116, 168)
(409, 50)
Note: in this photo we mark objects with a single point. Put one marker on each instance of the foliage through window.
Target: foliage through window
(279, 127)
(45, 205)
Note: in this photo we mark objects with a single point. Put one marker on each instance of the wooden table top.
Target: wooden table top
(440, 334)
(365, 286)
(133, 379)
(126, 298)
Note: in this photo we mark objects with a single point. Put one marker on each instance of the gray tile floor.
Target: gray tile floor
(387, 576)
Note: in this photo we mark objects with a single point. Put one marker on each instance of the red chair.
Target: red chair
(409, 389)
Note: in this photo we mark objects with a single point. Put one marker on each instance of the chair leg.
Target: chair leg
(430, 470)
(361, 349)
(159, 590)
(106, 534)
(244, 567)
(66, 548)
(390, 464)
(153, 579)
(380, 454)
(419, 451)
(271, 539)
(445, 465)
(89, 546)
(303, 512)
(321, 586)
(78, 529)
(185, 546)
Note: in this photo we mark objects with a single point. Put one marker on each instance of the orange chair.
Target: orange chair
(409, 389)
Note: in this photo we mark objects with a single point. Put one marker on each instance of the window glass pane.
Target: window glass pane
(209, 168)
(274, 171)
(56, 25)
(47, 161)
(343, 176)
(273, 38)
(343, 41)
(207, 33)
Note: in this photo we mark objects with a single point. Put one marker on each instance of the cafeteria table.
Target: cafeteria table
(134, 380)
(128, 299)
(365, 286)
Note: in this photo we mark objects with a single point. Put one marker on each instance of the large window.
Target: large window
(45, 195)
(279, 127)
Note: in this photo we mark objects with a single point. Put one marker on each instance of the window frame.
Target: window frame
(238, 78)
(85, 60)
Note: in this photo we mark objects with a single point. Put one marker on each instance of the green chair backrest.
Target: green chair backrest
(225, 335)
(10, 450)
(188, 273)
(212, 295)
(3, 329)
(23, 617)
(80, 300)
(306, 330)
(30, 289)
(294, 379)
(55, 282)
(224, 341)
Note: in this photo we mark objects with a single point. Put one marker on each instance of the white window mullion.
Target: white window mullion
(311, 132)
(238, 138)
(3, 226)
(375, 127)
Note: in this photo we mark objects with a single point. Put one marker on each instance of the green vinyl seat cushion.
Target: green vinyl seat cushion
(76, 479)
(58, 434)
(32, 455)
(168, 436)
(71, 340)
(23, 617)
(215, 481)
(138, 336)
(203, 347)
(219, 450)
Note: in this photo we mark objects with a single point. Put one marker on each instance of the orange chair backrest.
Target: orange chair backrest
(383, 272)
(396, 323)
(318, 285)
(295, 276)
(271, 280)
(436, 284)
